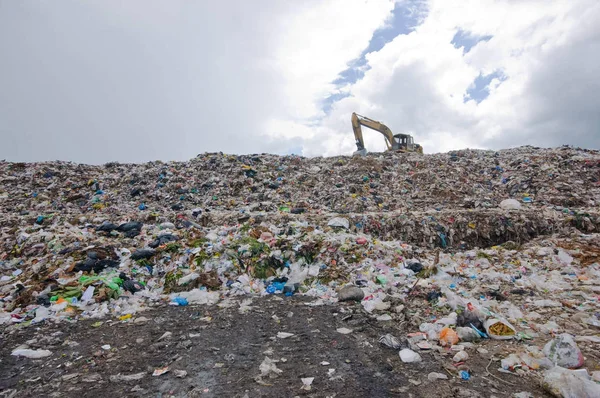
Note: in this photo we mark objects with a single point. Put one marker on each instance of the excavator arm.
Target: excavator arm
(358, 121)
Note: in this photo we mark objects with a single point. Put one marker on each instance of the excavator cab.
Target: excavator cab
(405, 142)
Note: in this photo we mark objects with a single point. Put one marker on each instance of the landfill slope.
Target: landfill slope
(500, 243)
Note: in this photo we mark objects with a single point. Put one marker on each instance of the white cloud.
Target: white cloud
(317, 44)
(547, 53)
(141, 80)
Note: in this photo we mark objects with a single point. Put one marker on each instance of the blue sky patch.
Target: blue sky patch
(467, 40)
(479, 90)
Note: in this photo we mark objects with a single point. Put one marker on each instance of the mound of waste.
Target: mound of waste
(501, 245)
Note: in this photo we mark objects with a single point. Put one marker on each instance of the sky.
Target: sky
(95, 81)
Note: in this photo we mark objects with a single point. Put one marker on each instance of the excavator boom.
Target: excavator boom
(358, 120)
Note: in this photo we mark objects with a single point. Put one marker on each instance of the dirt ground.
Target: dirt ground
(221, 350)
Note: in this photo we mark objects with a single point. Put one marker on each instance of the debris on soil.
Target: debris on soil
(31, 354)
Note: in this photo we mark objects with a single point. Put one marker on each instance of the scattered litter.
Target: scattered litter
(284, 335)
(433, 376)
(390, 341)
(306, 383)
(180, 373)
(409, 356)
(179, 301)
(339, 222)
(350, 293)
(31, 354)
(131, 377)
(510, 204)
(160, 371)
(566, 383)
(465, 375)
(448, 337)
(499, 329)
(460, 356)
(268, 368)
(564, 352)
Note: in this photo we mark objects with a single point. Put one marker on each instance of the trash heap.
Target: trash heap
(502, 245)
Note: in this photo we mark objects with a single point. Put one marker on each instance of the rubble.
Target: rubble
(469, 246)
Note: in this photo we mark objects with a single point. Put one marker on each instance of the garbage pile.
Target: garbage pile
(501, 245)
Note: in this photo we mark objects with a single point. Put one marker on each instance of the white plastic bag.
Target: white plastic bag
(31, 354)
(492, 322)
(41, 313)
(409, 356)
(197, 296)
(567, 383)
(563, 351)
(376, 303)
(510, 204)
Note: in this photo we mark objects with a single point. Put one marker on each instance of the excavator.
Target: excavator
(394, 142)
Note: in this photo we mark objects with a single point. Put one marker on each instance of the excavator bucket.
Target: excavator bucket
(360, 152)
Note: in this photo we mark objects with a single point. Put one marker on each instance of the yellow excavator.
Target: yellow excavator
(394, 142)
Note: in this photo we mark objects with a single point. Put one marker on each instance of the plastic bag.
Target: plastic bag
(407, 356)
(510, 204)
(471, 318)
(268, 368)
(510, 361)
(535, 362)
(375, 303)
(432, 330)
(499, 329)
(448, 337)
(197, 296)
(460, 356)
(32, 354)
(467, 334)
(512, 311)
(449, 320)
(41, 313)
(567, 383)
(453, 300)
(563, 351)
(390, 341)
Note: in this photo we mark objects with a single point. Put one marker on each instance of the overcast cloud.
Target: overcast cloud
(97, 81)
